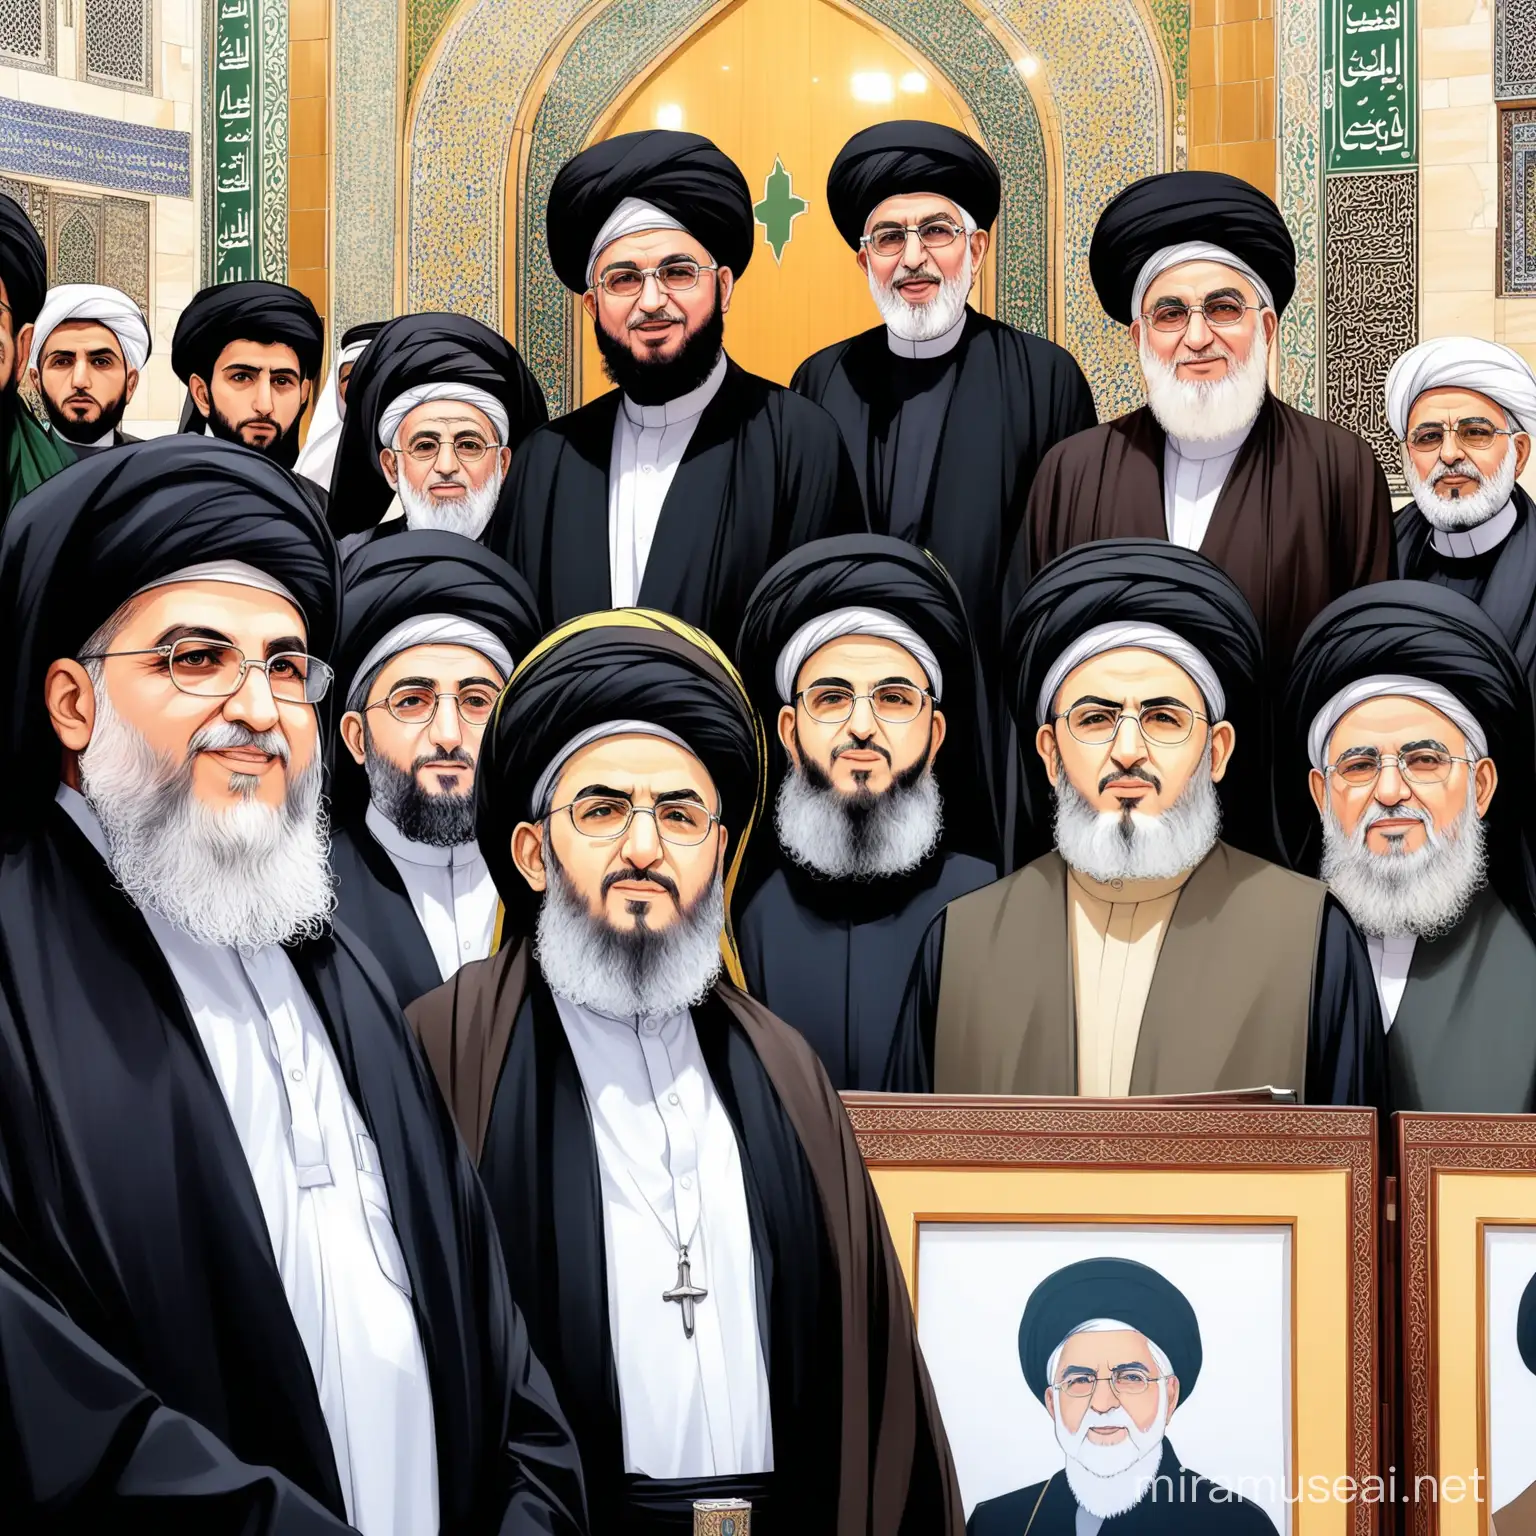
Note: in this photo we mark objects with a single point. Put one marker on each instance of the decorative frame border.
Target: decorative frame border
(1298, 124)
(1510, 19)
(1517, 121)
(48, 63)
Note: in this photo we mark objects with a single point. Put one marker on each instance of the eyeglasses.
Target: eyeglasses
(1124, 1381)
(468, 448)
(891, 239)
(1474, 433)
(213, 670)
(1164, 725)
(1223, 314)
(683, 823)
(414, 705)
(894, 703)
(1422, 765)
(672, 276)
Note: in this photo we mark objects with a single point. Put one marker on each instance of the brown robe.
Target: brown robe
(894, 1461)
(1304, 515)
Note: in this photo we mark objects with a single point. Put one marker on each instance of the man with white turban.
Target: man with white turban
(1464, 409)
(89, 346)
(317, 458)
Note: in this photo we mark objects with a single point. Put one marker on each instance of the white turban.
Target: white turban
(95, 302)
(1383, 686)
(544, 788)
(631, 216)
(840, 623)
(428, 629)
(1134, 637)
(1194, 250)
(236, 572)
(318, 456)
(445, 389)
(1462, 362)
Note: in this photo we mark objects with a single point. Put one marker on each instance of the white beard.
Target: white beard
(244, 877)
(1469, 509)
(1424, 893)
(922, 322)
(1202, 410)
(1107, 1480)
(466, 514)
(845, 838)
(1131, 845)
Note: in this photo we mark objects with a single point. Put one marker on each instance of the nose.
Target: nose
(252, 703)
(1103, 1398)
(1199, 333)
(1392, 788)
(912, 251)
(642, 843)
(446, 462)
(862, 722)
(1450, 449)
(652, 294)
(81, 376)
(1128, 745)
(262, 399)
(446, 729)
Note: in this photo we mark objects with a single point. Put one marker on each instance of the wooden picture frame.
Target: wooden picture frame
(1077, 1164)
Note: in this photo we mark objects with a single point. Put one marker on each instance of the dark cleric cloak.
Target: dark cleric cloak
(145, 1325)
(831, 956)
(420, 349)
(384, 584)
(857, 1441)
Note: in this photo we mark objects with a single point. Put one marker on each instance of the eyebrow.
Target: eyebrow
(192, 632)
(1229, 292)
(72, 352)
(924, 218)
(427, 682)
(610, 793)
(1407, 746)
(427, 431)
(283, 643)
(281, 368)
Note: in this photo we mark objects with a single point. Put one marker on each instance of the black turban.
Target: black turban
(76, 549)
(870, 570)
(631, 664)
(1417, 629)
(1117, 1290)
(390, 581)
(1145, 581)
(1181, 206)
(268, 313)
(682, 174)
(23, 264)
(364, 332)
(894, 158)
(414, 350)
(1525, 1326)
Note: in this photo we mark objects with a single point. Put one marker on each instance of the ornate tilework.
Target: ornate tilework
(100, 152)
(1517, 195)
(272, 255)
(27, 34)
(1170, 19)
(426, 20)
(1371, 290)
(1297, 119)
(125, 247)
(117, 43)
(89, 239)
(1514, 49)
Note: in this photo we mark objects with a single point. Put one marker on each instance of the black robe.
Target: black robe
(1181, 1502)
(764, 472)
(147, 1339)
(832, 957)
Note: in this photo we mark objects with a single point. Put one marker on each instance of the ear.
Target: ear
(787, 733)
(1317, 782)
(1522, 441)
(528, 854)
(1045, 745)
(505, 458)
(589, 303)
(35, 379)
(1485, 779)
(305, 385)
(724, 842)
(23, 345)
(352, 735)
(936, 739)
(1049, 1398)
(1173, 1394)
(388, 464)
(727, 281)
(71, 703)
(1136, 334)
(130, 384)
(197, 387)
(1271, 323)
(1223, 741)
(980, 242)
(862, 257)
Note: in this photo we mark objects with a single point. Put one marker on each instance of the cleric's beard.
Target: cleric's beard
(635, 973)
(86, 432)
(445, 820)
(1454, 515)
(862, 836)
(923, 322)
(466, 515)
(655, 383)
(1203, 410)
(1131, 845)
(246, 876)
(1107, 1480)
(283, 450)
(1424, 893)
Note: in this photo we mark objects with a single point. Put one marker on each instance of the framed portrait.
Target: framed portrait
(1467, 1224)
(1162, 1311)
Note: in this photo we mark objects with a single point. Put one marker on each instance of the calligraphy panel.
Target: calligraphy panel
(81, 147)
(1514, 49)
(27, 34)
(236, 211)
(1371, 300)
(117, 38)
(1517, 200)
(1370, 84)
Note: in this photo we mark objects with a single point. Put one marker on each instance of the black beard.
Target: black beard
(73, 431)
(864, 801)
(283, 450)
(658, 382)
(439, 821)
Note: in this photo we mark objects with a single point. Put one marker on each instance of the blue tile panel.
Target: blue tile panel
(72, 146)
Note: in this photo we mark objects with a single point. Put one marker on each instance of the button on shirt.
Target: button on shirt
(649, 442)
(451, 893)
(1193, 475)
(669, 1167)
(1391, 959)
(320, 1184)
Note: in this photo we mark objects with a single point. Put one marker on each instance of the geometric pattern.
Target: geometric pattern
(117, 42)
(1514, 49)
(1298, 116)
(27, 34)
(1517, 192)
(89, 239)
(101, 152)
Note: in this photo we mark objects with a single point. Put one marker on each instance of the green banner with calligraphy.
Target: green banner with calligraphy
(1370, 85)
(235, 144)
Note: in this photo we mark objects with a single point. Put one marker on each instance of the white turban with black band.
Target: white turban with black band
(100, 305)
(1462, 362)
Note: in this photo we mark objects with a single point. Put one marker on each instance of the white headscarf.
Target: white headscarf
(1194, 250)
(318, 456)
(630, 216)
(1462, 362)
(842, 622)
(98, 303)
(1390, 685)
(445, 389)
(429, 629)
(1134, 637)
(544, 788)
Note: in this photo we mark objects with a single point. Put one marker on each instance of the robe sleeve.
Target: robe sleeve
(818, 485)
(517, 526)
(1346, 1043)
(1369, 548)
(909, 1067)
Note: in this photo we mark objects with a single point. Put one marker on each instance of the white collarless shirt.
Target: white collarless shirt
(1391, 959)
(320, 1183)
(1193, 475)
(451, 893)
(649, 442)
(1468, 543)
(669, 1164)
(935, 346)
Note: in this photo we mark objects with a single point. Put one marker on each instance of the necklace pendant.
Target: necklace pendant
(685, 1293)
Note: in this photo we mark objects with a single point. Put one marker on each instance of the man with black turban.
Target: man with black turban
(1409, 720)
(857, 654)
(1518, 1516)
(686, 1218)
(1295, 510)
(693, 475)
(317, 458)
(28, 454)
(251, 1281)
(431, 625)
(946, 412)
(1112, 1349)
(1143, 953)
(436, 406)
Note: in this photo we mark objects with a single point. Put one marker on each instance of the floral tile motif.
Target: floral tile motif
(1517, 200)
(1297, 122)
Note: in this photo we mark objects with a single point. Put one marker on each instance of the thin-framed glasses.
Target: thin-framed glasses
(1475, 432)
(683, 823)
(672, 276)
(894, 703)
(468, 448)
(1164, 725)
(412, 704)
(891, 239)
(1124, 1381)
(212, 669)
(1222, 313)
(1419, 765)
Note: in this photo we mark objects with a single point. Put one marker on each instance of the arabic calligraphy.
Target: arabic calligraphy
(1368, 84)
(234, 144)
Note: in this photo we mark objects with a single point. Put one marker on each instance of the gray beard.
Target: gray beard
(1131, 845)
(923, 322)
(641, 974)
(1199, 410)
(1471, 508)
(861, 836)
(244, 877)
(439, 821)
(467, 515)
(1424, 893)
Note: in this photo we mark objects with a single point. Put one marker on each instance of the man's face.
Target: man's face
(1086, 1355)
(1451, 469)
(343, 378)
(15, 342)
(636, 879)
(655, 324)
(1201, 353)
(256, 394)
(84, 381)
(448, 451)
(917, 271)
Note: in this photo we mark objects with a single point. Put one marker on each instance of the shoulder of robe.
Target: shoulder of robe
(790, 1058)
(1006, 1515)
(1040, 353)
(548, 440)
(1244, 869)
(812, 375)
(990, 903)
(1327, 439)
(474, 992)
(1109, 441)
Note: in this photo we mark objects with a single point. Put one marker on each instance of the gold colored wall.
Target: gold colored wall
(309, 148)
(1232, 89)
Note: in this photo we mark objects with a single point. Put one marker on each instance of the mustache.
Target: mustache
(923, 274)
(1404, 812)
(230, 733)
(1144, 774)
(860, 744)
(1462, 467)
(647, 876)
(457, 755)
(641, 317)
